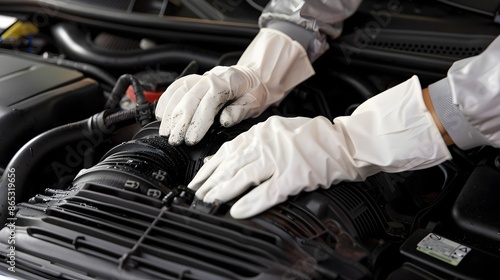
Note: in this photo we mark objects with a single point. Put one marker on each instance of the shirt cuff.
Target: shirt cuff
(461, 131)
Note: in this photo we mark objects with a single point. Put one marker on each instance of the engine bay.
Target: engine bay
(89, 190)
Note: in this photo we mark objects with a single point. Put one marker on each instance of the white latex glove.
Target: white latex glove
(268, 69)
(390, 132)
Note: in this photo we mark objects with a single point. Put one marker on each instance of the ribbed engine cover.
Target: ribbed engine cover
(130, 217)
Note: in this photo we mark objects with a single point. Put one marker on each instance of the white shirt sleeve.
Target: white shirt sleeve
(467, 101)
(309, 21)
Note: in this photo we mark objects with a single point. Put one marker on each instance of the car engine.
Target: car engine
(90, 190)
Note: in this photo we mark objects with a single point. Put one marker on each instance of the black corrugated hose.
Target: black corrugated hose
(15, 180)
(120, 89)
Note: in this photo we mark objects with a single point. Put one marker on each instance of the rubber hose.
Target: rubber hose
(31, 155)
(75, 45)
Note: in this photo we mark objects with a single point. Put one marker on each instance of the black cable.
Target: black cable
(119, 117)
(191, 68)
(120, 89)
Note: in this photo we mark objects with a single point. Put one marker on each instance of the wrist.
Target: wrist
(428, 103)
(449, 111)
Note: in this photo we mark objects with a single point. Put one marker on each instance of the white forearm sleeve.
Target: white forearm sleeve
(467, 101)
(393, 132)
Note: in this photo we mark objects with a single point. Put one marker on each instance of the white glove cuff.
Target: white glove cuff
(280, 62)
(394, 132)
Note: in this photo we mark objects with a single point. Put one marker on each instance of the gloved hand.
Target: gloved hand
(269, 68)
(390, 132)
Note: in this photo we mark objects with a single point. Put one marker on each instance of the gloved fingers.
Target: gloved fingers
(205, 114)
(227, 151)
(240, 109)
(233, 160)
(217, 171)
(224, 185)
(166, 119)
(183, 112)
(261, 198)
(169, 100)
(168, 94)
(204, 173)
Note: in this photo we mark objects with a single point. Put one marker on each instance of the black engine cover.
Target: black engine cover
(35, 97)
